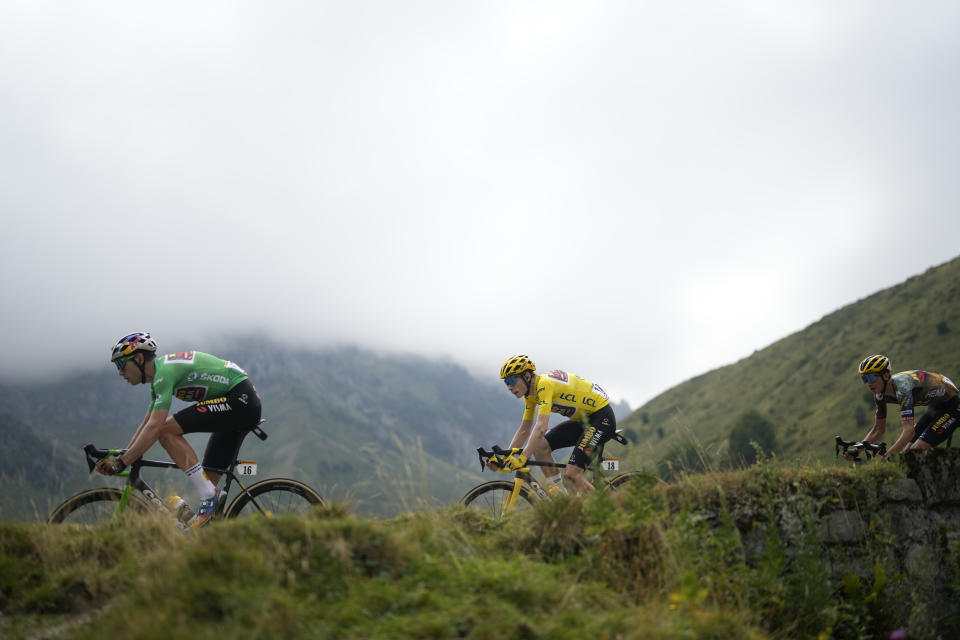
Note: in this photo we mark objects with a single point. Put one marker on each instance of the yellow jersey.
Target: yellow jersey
(564, 393)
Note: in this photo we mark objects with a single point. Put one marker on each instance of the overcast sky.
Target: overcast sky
(636, 192)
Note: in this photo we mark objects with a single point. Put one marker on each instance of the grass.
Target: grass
(693, 559)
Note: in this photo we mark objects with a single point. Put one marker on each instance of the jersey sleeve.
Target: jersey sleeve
(904, 384)
(529, 407)
(544, 395)
(162, 394)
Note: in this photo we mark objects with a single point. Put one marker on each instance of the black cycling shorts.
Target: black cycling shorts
(227, 419)
(584, 437)
(938, 422)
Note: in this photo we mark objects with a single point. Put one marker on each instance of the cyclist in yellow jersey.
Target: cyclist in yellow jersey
(590, 418)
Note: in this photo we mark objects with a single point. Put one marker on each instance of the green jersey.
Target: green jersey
(191, 376)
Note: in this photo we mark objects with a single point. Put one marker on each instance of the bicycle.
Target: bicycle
(266, 498)
(854, 448)
(499, 497)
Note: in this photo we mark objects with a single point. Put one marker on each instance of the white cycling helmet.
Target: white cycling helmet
(132, 343)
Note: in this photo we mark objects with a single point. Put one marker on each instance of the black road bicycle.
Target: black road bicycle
(268, 497)
(854, 448)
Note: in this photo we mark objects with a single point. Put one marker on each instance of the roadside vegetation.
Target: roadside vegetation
(660, 561)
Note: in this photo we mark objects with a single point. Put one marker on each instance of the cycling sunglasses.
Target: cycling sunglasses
(511, 380)
(122, 362)
(869, 377)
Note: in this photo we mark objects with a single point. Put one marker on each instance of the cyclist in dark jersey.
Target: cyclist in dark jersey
(911, 389)
(226, 405)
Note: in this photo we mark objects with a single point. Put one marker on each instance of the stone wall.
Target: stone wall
(908, 522)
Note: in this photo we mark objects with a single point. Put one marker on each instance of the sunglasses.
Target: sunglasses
(511, 380)
(122, 362)
(870, 377)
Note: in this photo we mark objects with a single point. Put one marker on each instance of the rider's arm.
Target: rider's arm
(539, 431)
(879, 428)
(520, 437)
(136, 433)
(905, 437)
(146, 436)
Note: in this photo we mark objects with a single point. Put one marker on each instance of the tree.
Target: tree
(751, 431)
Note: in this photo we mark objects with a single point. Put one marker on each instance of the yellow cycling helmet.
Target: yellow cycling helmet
(516, 365)
(875, 364)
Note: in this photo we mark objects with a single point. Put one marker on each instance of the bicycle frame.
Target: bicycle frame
(523, 474)
(135, 482)
(132, 474)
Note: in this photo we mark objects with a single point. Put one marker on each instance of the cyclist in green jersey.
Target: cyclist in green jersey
(590, 419)
(225, 404)
(911, 389)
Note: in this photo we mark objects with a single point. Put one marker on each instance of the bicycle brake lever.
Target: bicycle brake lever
(92, 459)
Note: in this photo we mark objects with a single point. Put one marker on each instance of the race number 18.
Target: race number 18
(610, 464)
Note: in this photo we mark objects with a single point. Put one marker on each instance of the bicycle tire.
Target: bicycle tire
(627, 478)
(276, 496)
(94, 506)
(491, 497)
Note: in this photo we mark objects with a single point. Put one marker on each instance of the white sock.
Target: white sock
(556, 481)
(205, 488)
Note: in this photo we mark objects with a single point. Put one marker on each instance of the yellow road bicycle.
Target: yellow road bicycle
(500, 497)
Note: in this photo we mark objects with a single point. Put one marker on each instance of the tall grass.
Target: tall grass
(656, 561)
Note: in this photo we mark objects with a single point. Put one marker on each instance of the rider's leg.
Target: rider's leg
(222, 449)
(172, 440)
(176, 446)
(935, 426)
(215, 416)
(566, 434)
(574, 475)
(601, 426)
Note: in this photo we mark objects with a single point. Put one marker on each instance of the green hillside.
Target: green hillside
(806, 384)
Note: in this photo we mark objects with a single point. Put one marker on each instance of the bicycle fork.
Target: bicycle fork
(518, 481)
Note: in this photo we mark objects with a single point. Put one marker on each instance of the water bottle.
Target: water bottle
(180, 508)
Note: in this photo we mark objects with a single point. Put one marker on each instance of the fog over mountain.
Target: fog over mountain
(633, 192)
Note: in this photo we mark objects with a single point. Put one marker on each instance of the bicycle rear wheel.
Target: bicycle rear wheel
(630, 479)
(490, 498)
(94, 506)
(274, 497)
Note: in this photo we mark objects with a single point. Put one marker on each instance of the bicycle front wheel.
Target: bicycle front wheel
(490, 498)
(94, 506)
(274, 497)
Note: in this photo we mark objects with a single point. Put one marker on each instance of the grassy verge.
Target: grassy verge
(664, 561)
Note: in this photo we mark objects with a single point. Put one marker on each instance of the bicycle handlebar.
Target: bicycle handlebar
(498, 452)
(95, 455)
(870, 448)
